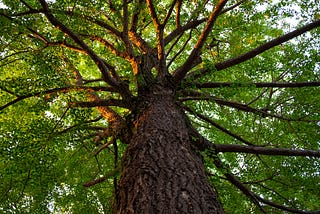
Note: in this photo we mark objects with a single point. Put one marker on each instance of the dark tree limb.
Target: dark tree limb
(192, 60)
(213, 123)
(285, 208)
(181, 50)
(100, 64)
(253, 53)
(54, 91)
(172, 6)
(258, 84)
(181, 29)
(273, 43)
(153, 13)
(239, 106)
(203, 144)
(255, 198)
(125, 21)
(78, 125)
(162, 68)
(36, 35)
(99, 103)
(236, 182)
(135, 17)
(108, 45)
(265, 151)
(100, 23)
(233, 6)
(102, 179)
(125, 33)
(116, 123)
(68, 46)
(104, 146)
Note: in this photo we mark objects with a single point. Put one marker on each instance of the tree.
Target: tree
(159, 106)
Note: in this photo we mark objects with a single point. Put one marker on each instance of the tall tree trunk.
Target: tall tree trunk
(162, 173)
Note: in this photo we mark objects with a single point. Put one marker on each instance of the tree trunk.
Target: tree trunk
(162, 172)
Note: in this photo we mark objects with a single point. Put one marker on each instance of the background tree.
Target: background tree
(187, 93)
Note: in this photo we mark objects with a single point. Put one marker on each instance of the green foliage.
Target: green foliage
(47, 148)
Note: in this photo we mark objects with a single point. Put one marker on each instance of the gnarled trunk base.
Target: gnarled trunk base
(161, 171)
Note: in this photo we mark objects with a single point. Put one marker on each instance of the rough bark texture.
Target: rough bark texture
(161, 171)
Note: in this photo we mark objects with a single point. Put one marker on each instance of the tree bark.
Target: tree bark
(162, 172)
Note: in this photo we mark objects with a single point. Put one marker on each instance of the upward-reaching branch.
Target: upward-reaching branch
(213, 123)
(253, 53)
(125, 33)
(115, 122)
(178, 9)
(181, 29)
(169, 12)
(267, 46)
(162, 68)
(192, 60)
(101, 65)
(153, 13)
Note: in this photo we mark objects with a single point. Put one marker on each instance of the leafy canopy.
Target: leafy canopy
(248, 80)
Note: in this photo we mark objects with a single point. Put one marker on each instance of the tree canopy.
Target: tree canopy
(247, 74)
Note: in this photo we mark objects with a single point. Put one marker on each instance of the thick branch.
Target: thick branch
(169, 12)
(101, 65)
(160, 46)
(180, 73)
(258, 84)
(125, 34)
(284, 208)
(56, 90)
(275, 42)
(99, 103)
(182, 29)
(265, 151)
(140, 43)
(178, 10)
(116, 124)
(153, 13)
(239, 106)
(203, 144)
(135, 16)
